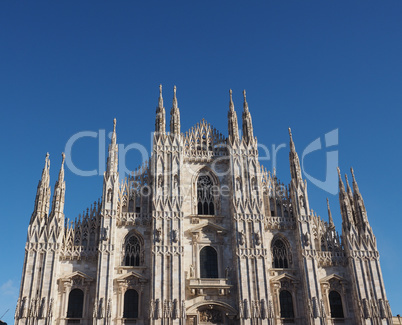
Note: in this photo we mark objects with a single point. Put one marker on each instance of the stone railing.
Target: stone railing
(199, 285)
(280, 223)
(134, 218)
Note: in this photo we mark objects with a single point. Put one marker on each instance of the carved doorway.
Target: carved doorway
(213, 313)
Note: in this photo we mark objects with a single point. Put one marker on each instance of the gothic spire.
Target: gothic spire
(247, 122)
(160, 121)
(360, 209)
(59, 191)
(160, 101)
(295, 169)
(114, 132)
(233, 127)
(349, 190)
(174, 116)
(330, 220)
(341, 186)
(42, 200)
(355, 186)
(345, 204)
(231, 105)
(112, 159)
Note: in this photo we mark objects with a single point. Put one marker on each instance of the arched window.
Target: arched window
(208, 262)
(75, 303)
(286, 303)
(132, 249)
(280, 258)
(205, 198)
(335, 303)
(130, 304)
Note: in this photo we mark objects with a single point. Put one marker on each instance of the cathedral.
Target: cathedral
(201, 233)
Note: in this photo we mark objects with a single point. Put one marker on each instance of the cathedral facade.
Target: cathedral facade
(201, 233)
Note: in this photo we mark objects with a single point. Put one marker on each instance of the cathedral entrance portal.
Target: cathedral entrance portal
(211, 314)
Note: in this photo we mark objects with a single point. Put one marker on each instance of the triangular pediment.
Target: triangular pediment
(284, 276)
(78, 274)
(331, 277)
(207, 224)
(132, 275)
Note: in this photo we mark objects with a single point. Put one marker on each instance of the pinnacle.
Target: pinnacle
(245, 104)
(231, 105)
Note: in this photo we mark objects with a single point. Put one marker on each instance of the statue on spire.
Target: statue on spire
(174, 116)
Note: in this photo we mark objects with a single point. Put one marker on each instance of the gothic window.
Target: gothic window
(75, 303)
(335, 303)
(205, 198)
(208, 262)
(286, 304)
(132, 250)
(130, 304)
(280, 257)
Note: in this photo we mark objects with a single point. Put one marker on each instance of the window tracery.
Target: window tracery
(205, 197)
(132, 251)
(280, 255)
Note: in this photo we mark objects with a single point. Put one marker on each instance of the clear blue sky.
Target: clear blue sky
(315, 66)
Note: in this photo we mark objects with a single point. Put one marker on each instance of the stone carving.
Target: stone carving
(211, 316)
(152, 309)
(246, 309)
(176, 312)
(158, 309)
(241, 313)
(174, 236)
(183, 309)
(242, 238)
(256, 309)
(158, 233)
(50, 309)
(227, 272)
(257, 238)
(264, 312)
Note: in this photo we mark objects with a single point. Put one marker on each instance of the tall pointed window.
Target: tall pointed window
(286, 304)
(130, 304)
(75, 304)
(280, 255)
(132, 250)
(335, 303)
(208, 262)
(205, 196)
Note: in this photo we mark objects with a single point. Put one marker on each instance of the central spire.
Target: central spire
(112, 160)
(295, 169)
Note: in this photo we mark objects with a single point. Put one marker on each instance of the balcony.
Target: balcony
(213, 286)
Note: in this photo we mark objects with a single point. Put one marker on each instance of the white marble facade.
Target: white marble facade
(200, 234)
